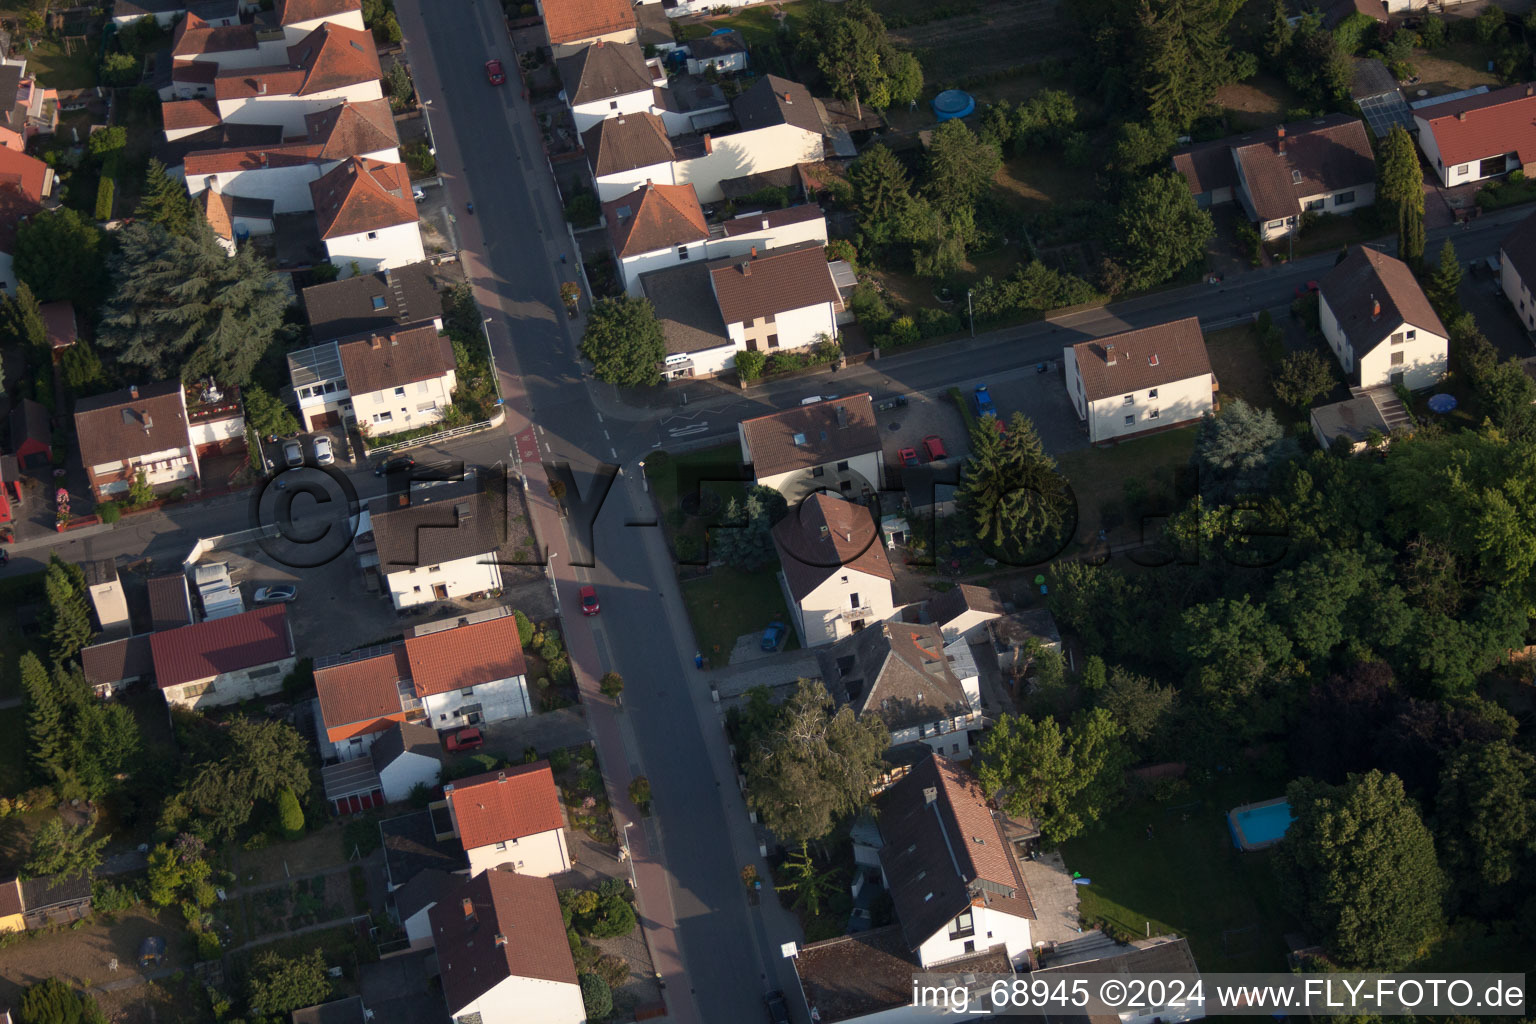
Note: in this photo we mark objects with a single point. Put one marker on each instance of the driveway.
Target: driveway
(552, 730)
(1481, 296)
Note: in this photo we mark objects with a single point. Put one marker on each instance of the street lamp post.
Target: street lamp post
(554, 587)
(490, 352)
(629, 856)
(645, 484)
(426, 111)
(970, 311)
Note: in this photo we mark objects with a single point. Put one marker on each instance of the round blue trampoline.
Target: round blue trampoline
(952, 103)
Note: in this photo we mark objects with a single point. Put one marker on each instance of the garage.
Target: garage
(325, 420)
(352, 786)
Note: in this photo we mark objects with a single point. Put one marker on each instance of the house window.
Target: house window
(845, 579)
(1343, 199)
(954, 748)
(1315, 204)
(1152, 415)
(1412, 335)
(853, 599)
(378, 302)
(842, 467)
(752, 322)
(427, 407)
(501, 846)
(682, 252)
(773, 341)
(1152, 393)
(1275, 224)
(383, 417)
(1295, 177)
(818, 470)
(1130, 420)
(1130, 399)
(1461, 169)
(372, 235)
(613, 104)
(1397, 359)
(962, 926)
(399, 391)
(970, 945)
(1397, 339)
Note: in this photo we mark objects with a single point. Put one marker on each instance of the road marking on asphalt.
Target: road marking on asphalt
(599, 417)
(685, 431)
(606, 437)
(612, 454)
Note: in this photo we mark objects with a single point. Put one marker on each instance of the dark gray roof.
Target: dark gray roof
(411, 846)
(112, 662)
(1353, 418)
(685, 304)
(1365, 277)
(408, 294)
(10, 85)
(98, 571)
(421, 892)
(722, 44)
(349, 778)
(962, 598)
(402, 737)
(340, 1011)
(603, 70)
(220, 136)
(773, 100)
(253, 209)
(619, 144)
(1171, 957)
(897, 670)
(42, 893)
(441, 524)
(211, 10)
(855, 976)
(1371, 78)
(750, 184)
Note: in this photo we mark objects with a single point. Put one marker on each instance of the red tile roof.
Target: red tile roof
(827, 535)
(218, 210)
(189, 114)
(224, 161)
(747, 223)
(292, 11)
(211, 648)
(811, 435)
(362, 195)
(655, 217)
(195, 36)
(1495, 123)
(247, 83)
(362, 696)
(333, 56)
(352, 129)
(1144, 358)
(194, 72)
(774, 281)
(498, 807)
(27, 174)
(121, 424)
(571, 21)
(521, 908)
(452, 659)
(1305, 159)
(1365, 277)
(392, 359)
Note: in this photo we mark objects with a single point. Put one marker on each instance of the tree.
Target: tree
(1010, 491)
(640, 793)
(279, 985)
(106, 742)
(1410, 238)
(60, 851)
(140, 493)
(1277, 41)
(815, 766)
(1317, 67)
(46, 721)
(1046, 120)
(69, 609)
(1161, 230)
(811, 885)
(83, 373)
(611, 685)
(397, 83)
(1445, 282)
(1236, 449)
(1141, 146)
(624, 342)
(960, 167)
(1303, 376)
(21, 320)
(1400, 181)
(1138, 704)
(268, 416)
(881, 190)
(51, 1001)
(1485, 813)
(262, 758)
(182, 308)
(62, 255)
(1184, 58)
(1507, 392)
(596, 996)
(852, 49)
(744, 538)
(1064, 779)
(290, 816)
(165, 202)
(1359, 865)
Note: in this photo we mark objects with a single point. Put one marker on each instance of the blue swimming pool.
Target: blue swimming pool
(1255, 826)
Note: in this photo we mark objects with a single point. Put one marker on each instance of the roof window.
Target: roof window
(1295, 177)
(378, 302)
(799, 439)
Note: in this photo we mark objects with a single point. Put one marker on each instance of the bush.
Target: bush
(106, 189)
(749, 365)
(290, 816)
(525, 628)
(688, 548)
(1432, 32)
(640, 793)
(109, 512)
(843, 249)
(582, 210)
(107, 898)
(596, 997)
(615, 917)
(611, 685)
(551, 647)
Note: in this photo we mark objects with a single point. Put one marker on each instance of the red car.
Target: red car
(1310, 288)
(933, 447)
(465, 739)
(588, 595)
(494, 74)
(908, 456)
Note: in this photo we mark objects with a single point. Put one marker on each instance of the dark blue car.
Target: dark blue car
(984, 406)
(773, 636)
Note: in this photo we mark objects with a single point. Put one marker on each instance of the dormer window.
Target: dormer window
(1295, 177)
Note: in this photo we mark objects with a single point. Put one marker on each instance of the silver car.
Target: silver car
(293, 454)
(324, 456)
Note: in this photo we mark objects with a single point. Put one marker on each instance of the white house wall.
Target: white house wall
(424, 402)
(813, 230)
(588, 114)
(633, 266)
(406, 772)
(571, 49)
(287, 187)
(517, 1000)
(411, 587)
(388, 248)
(1424, 360)
(544, 855)
(622, 183)
(289, 111)
(681, 122)
(1004, 929)
(743, 153)
(1178, 402)
(797, 483)
(795, 328)
(1455, 174)
(270, 53)
(231, 687)
(1517, 292)
(726, 64)
(499, 700)
(706, 362)
(828, 611)
(418, 928)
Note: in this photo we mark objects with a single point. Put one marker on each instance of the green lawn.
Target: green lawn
(15, 592)
(57, 70)
(728, 603)
(1243, 366)
(1099, 475)
(757, 25)
(1188, 879)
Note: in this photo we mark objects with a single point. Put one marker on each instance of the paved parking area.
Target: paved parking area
(1042, 397)
(551, 730)
(400, 989)
(1481, 296)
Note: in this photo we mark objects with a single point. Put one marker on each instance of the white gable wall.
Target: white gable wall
(794, 328)
(588, 114)
(622, 183)
(517, 1000)
(848, 596)
(989, 928)
(405, 772)
(497, 700)
(544, 854)
(289, 110)
(409, 587)
(742, 153)
(384, 249)
(297, 32)
(423, 402)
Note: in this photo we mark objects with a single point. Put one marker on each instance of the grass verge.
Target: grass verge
(1140, 472)
(729, 603)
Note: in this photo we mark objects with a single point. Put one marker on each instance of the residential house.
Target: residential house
(24, 183)
(606, 80)
(510, 818)
(31, 435)
(834, 571)
(298, 18)
(1517, 270)
(1320, 166)
(123, 433)
(924, 689)
(234, 219)
(1018, 637)
(1135, 382)
(215, 422)
(867, 977)
(386, 382)
(363, 694)
(964, 611)
(283, 173)
(780, 125)
(572, 25)
(1358, 421)
(626, 153)
(406, 755)
(828, 445)
(105, 590)
(165, 12)
(373, 303)
(1159, 954)
(502, 950)
(1481, 136)
(414, 901)
(227, 46)
(1379, 322)
(949, 867)
(113, 664)
(367, 217)
(434, 546)
(339, 1011)
(331, 65)
(420, 841)
(724, 52)
(26, 108)
(170, 601)
(27, 904)
(652, 227)
(224, 661)
(760, 302)
(691, 104)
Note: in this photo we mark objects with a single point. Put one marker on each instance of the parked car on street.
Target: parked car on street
(933, 447)
(399, 464)
(417, 194)
(280, 593)
(588, 596)
(778, 1008)
(773, 636)
(465, 739)
(324, 455)
(293, 454)
(984, 406)
(908, 457)
(494, 74)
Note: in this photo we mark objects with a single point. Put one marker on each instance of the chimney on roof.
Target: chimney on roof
(469, 909)
(149, 423)
(842, 418)
(1109, 354)
(787, 100)
(501, 776)
(261, 88)
(133, 391)
(709, 144)
(930, 795)
(1375, 308)
(375, 342)
(848, 536)
(746, 268)
(501, 940)
(1461, 115)
(1280, 135)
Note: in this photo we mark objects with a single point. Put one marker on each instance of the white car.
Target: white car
(279, 593)
(418, 195)
(324, 456)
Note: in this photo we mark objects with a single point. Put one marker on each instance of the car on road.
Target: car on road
(588, 596)
(778, 1008)
(465, 739)
(773, 636)
(279, 593)
(908, 457)
(293, 454)
(1310, 288)
(417, 194)
(324, 455)
(399, 464)
(984, 406)
(494, 74)
(933, 447)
